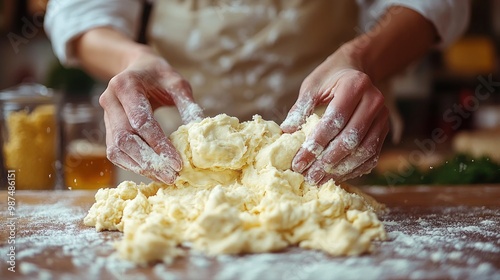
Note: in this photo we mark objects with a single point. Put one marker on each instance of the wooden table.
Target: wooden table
(434, 233)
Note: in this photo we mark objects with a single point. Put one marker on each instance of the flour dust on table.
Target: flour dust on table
(236, 194)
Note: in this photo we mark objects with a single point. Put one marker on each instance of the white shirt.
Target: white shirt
(67, 19)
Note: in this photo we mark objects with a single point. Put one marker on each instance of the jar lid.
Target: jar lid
(27, 93)
(81, 113)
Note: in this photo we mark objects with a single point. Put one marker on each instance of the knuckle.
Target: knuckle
(369, 165)
(176, 81)
(332, 124)
(371, 151)
(119, 83)
(112, 153)
(330, 156)
(122, 139)
(366, 152)
(106, 98)
(116, 83)
(373, 146)
(159, 145)
(308, 86)
(362, 84)
(312, 147)
(350, 140)
(140, 119)
(379, 100)
(361, 80)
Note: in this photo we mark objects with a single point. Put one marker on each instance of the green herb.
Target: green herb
(460, 170)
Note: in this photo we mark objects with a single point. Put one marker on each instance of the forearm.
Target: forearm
(401, 36)
(105, 52)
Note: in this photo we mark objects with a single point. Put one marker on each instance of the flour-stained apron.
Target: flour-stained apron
(248, 57)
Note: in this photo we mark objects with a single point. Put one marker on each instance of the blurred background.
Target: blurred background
(449, 103)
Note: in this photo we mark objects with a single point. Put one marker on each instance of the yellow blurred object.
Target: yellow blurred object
(405, 160)
(31, 147)
(478, 143)
(471, 56)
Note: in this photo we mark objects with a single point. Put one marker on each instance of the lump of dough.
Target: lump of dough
(236, 194)
(217, 144)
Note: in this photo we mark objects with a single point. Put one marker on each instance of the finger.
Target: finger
(139, 113)
(342, 146)
(142, 121)
(315, 174)
(182, 95)
(190, 111)
(368, 149)
(118, 157)
(346, 96)
(314, 90)
(124, 161)
(124, 139)
(297, 115)
(114, 154)
(346, 147)
(150, 162)
(361, 170)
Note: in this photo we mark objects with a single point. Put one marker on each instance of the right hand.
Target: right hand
(134, 139)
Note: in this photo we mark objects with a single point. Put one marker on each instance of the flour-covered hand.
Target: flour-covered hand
(348, 139)
(135, 140)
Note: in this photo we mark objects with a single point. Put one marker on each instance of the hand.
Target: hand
(347, 141)
(134, 139)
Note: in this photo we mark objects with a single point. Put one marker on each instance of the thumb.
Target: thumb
(297, 116)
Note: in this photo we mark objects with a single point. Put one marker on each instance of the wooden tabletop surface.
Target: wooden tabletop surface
(434, 233)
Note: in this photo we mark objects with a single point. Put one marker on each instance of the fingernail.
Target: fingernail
(291, 122)
(300, 166)
(177, 165)
(316, 176)
(166, 178)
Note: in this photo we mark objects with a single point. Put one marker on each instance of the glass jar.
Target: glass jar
(30, 136)
(85, 163)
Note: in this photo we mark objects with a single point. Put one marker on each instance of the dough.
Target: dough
(236, 194)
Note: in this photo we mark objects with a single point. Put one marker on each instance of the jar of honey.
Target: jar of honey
(85, 164)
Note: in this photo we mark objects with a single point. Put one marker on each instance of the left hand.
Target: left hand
(347, 141)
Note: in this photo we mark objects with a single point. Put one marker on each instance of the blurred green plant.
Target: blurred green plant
(459, 170)
(70, 81)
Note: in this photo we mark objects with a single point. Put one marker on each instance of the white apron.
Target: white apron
(248, 57)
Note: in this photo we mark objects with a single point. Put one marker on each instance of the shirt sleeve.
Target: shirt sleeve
(67, 19)
(450, 17)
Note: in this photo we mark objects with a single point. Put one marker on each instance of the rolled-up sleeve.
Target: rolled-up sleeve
(65, 20)
(450, 17)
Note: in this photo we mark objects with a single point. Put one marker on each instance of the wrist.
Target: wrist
(136, 53)
(105, 52)
(396, 40)
(353, 54)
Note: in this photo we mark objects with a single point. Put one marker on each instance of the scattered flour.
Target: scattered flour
(58, 238)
